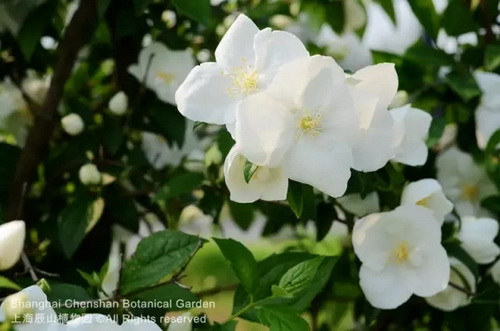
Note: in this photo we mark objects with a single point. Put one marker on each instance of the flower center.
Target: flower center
(424, 202)
(308, 123)
(401, 253)
(165, 77)
(245, 81)
(470, 192)
(262, 174)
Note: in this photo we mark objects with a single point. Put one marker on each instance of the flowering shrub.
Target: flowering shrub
(247, 165)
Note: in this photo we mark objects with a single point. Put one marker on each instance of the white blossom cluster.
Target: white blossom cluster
(296, 116)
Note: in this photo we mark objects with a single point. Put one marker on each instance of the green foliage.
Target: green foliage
(157, 259)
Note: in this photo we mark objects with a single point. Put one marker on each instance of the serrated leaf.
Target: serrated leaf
(241, 261)
(300, 276)
(157, 258)
(282, 319)
(295, 198)
(249, 170)
(280, 292)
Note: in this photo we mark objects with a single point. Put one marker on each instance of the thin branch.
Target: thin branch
(77, 33)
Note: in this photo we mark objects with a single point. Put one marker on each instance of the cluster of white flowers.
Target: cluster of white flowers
(32, 306)
(401, 251)
(313, 129)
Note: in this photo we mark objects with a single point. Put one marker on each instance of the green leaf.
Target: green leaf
(282, 319)
(493, 142)
(335, 15)
(33, 28)
(242, 213)
(184, 183)
(198, 10)
(249, 170)
(92, 279)
(492, 57)
(7, 283)
(280, 292)
(62, 292)
(426, 55)
(102, 7)
(228, 326)
(326, 214)
(426, 14)
(388, 7)
(241, 261)
(492, 203)
(436, 131)
(300, 276)
(271, 270)
(295, 197)
(73, 223)
(168, 121)
(463, 84)
(157, 259)
(457, 19)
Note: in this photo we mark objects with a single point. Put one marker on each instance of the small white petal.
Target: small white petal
(204, 96)
(12, 236)
(237, 44)
(380, 80)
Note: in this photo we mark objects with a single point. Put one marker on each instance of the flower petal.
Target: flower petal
(264, 131)
(324, 165)
(380, 80)
(204, 95)
(383, 289)
(275, 48)
(236, 47)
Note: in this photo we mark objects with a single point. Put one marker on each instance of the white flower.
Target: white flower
(464, 182)
(72, 124)
(306, 125)
(413, 126)
(429, 194)
(89, 174)
(247, 60)
(112, 277)
(12, 236)
(452, 298)
(382, 35)
(346, 48)
(488, 111)
(401, 254)
(118, 103)
(266, 183)
(451, 45)
(373, 88)
(30, 301)
(160, 154)
(35, 87)
(193, 221)
(353, 203)
(162, 70)
(477, 236)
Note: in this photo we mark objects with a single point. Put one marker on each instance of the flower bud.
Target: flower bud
(11, 243)
(400, 99)
(89, 175)
(118, 104)
(72, 124)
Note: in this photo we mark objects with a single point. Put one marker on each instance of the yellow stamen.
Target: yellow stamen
(401, 253)
(470, 192)
(424, 202)
(166, 77)
(244, 81)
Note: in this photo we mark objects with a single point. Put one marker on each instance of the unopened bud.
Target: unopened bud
(72, 124)
(89, 175)
(119, 104)
(12, 236)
